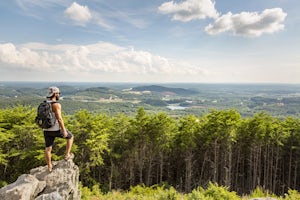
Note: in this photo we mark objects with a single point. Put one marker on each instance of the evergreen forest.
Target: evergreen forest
(121, 153)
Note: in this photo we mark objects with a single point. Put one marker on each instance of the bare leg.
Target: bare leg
(68, 147)
(48, 157)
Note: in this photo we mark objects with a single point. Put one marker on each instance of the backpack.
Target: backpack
(45, 117)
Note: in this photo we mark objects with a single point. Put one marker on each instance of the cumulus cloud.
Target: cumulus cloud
(189, 10)
(78, 13)
(251, 24)
(99, 57)
(20, 57)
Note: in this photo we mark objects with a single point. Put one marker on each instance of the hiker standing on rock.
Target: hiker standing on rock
(58, 129)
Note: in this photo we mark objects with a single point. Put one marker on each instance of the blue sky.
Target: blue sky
(206, 41)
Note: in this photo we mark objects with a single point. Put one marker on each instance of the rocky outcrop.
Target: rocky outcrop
(40, 184)
(25, 187)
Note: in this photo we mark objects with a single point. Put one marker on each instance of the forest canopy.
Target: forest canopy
(120, 151)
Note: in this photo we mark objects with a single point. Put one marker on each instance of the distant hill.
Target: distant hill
(165, 90)
(99, 89)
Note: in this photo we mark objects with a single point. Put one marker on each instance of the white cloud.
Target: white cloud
(250, 24)
(20, 57)
(99, 57)
(78, 13)
(100, 21)
(189, 10)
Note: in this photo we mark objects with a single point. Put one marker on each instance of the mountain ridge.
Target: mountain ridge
(163, 89)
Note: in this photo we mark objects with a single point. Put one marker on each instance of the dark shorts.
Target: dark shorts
(51, 135)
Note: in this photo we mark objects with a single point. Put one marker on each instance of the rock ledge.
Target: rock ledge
(60, 184)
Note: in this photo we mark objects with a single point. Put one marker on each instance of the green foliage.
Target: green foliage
(196, 194)
(292, 195)
(20, 141)
(155, 192)
(2, 183)
(118, 152)
(260, 192)
(90, 194)
(99, 138)
(188, 131)
(137, 193)
(91, 136)
(215, 191)
(221, 125)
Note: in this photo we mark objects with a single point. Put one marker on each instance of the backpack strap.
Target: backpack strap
(52, 102)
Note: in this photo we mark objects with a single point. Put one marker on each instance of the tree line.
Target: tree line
(148, 148)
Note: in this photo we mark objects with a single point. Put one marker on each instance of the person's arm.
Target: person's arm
(56, 107)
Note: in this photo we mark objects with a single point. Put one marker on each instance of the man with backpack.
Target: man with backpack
(55, 128)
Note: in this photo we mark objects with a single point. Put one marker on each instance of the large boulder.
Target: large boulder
(40, 184)
(24, 188)
(50, 196)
